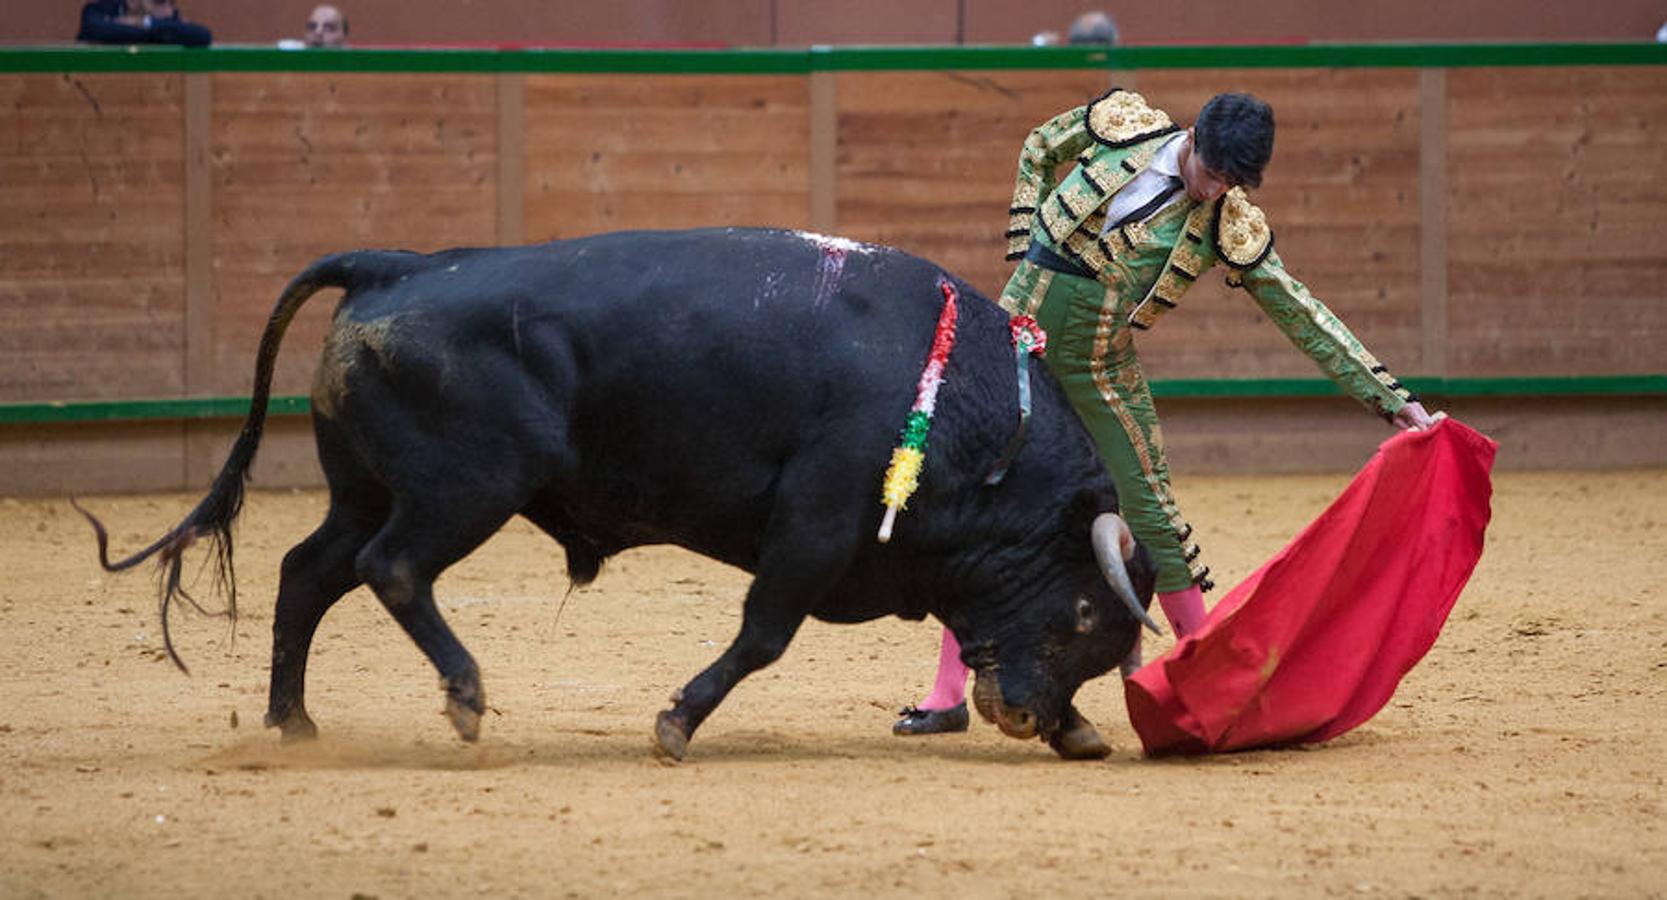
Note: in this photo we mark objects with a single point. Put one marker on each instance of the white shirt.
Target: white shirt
(1151, 181)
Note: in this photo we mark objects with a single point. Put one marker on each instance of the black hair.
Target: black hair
(1235, 134)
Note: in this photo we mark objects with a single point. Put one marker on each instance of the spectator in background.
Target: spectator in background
(1661, 34)
(147, 22)
(1094, 27)
(326, 27)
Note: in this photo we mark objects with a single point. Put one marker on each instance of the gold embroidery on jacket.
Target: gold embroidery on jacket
(1124, 116)
(1025, 196)
(1187, 261)
(1167, 292)
(1242, 233)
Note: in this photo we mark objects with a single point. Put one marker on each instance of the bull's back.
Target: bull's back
(715, 364)
(661, 379)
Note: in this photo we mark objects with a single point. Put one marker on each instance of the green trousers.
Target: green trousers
(1091, 352)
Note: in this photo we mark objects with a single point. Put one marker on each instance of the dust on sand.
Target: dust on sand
(1524, 757)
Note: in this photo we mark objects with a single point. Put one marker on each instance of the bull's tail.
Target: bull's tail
(214, 515)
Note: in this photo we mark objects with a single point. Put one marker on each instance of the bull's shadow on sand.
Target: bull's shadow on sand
(580, 748)
(600, 749)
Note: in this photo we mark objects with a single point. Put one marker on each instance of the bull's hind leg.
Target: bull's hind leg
(421, 540)
(316, 573)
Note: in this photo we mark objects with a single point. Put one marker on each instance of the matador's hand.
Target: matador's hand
(1413, 417)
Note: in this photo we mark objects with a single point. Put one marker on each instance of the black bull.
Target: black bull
(734, 392)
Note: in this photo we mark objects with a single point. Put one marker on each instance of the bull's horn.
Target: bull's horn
(1113, 544)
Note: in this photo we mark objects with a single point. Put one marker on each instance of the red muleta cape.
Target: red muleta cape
(1315, 641)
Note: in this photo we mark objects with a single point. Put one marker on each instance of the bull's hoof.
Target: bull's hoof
(464, 719)
(294, 728)
(671, 740)
(1079, 739)
(465, 704)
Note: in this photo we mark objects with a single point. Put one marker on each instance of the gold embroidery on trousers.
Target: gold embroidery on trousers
(1103, 335)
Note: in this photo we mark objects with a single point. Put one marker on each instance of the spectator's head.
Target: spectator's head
(1232, 142)
(159, 9)
(1092, 28)
(326, 27)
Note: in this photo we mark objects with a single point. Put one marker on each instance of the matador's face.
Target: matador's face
(1203, 183)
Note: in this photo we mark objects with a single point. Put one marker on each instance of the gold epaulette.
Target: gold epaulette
(1122, 118)
(1243, 237)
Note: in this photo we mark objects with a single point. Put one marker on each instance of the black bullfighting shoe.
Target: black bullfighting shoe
(931, 721)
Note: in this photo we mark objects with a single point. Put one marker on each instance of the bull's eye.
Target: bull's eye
(1086, 619)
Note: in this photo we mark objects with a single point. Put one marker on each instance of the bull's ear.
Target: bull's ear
(1087, 618)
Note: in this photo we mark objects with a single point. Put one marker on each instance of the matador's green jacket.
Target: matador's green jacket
(1142, 271)
(1112, 140)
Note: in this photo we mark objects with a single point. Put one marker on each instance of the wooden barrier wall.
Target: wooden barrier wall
(1465, 222)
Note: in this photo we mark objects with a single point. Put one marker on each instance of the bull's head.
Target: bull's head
(1087, 621)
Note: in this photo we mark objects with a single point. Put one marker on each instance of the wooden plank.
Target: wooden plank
(308, 164)
(824, 150)
(199, 269)
(81, 459)
(512, 147)
(1557, 249)
(91, 264)
(806, 22)
(1290, 436)
(115, 457)
(288, 454)
(613, 152)
(1432, 205)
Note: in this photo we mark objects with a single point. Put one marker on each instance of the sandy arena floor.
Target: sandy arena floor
(1524, 757)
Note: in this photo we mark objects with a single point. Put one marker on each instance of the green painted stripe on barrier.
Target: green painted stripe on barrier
(1548, 386)
(754, 61)
(145, 410)
(1229, 388)
(1281, 56)
(1194, 388)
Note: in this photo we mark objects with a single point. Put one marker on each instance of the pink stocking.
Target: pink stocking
(1185, 610)
(950, 688)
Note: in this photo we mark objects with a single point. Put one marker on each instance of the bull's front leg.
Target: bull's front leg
(776, 606)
